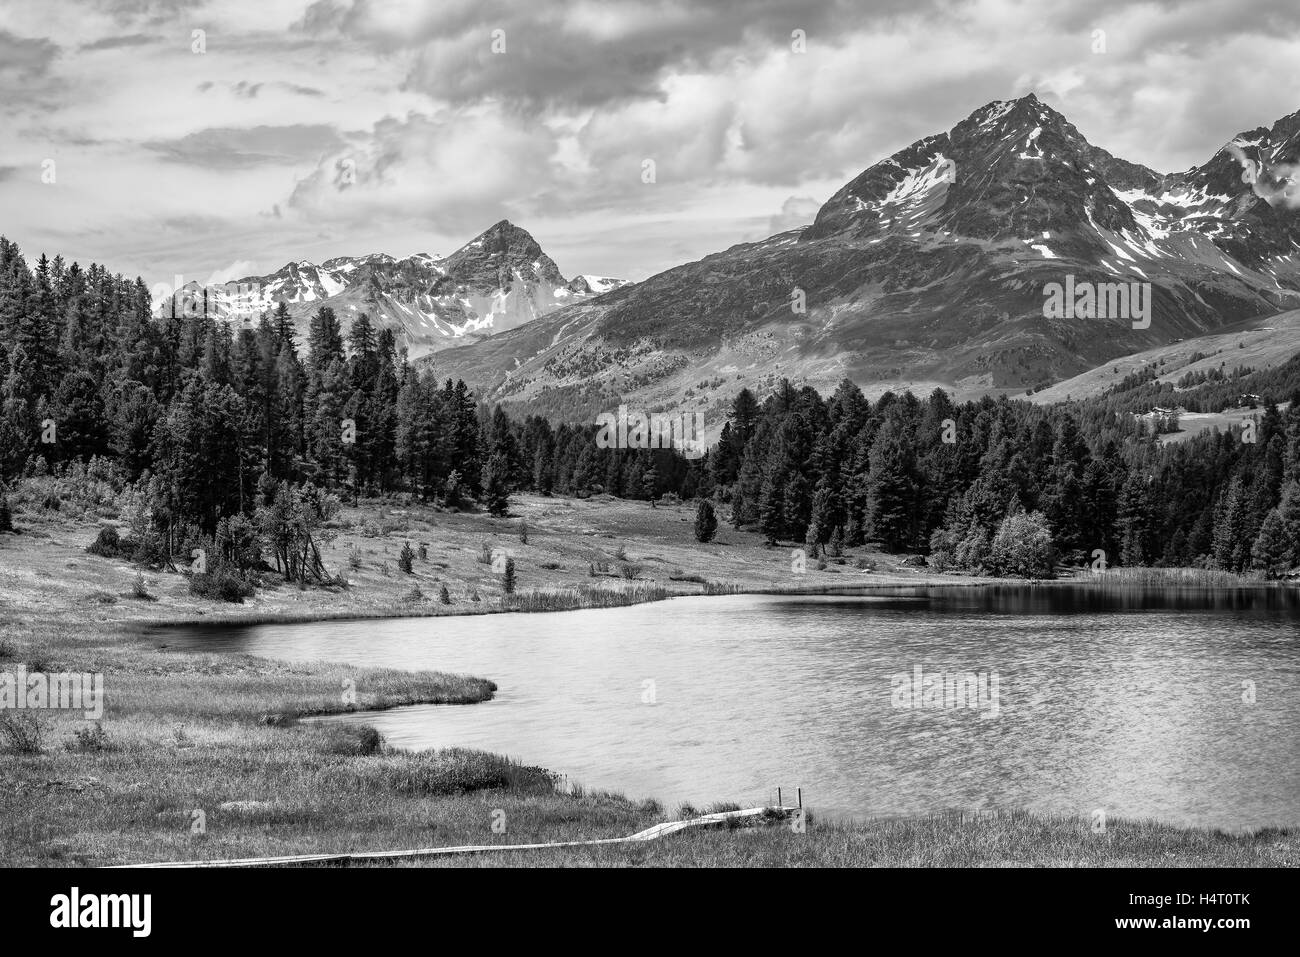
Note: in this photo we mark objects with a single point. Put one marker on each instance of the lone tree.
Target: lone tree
(650, 484)
(1023, 548)
(508, 577)
(706, 521)
(496, 489)
(406, 557)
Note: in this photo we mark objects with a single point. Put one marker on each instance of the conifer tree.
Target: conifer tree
(706, 521)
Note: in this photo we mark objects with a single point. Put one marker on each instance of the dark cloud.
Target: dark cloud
(115, 43)
(195, 224)
(1198, 22)
(25, 57)
(561, 54)
(250, 90)
(150, 12)
(225, 148)
(322, 17)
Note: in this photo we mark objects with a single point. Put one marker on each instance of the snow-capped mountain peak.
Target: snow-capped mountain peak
(498, 280)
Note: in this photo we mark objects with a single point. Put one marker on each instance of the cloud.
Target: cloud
(560, 53)
(456, 171)
(226, 148)
(25, 58)
(117, 43)
(241, 269)
(795, 211)
(392, 125)
(250, 90)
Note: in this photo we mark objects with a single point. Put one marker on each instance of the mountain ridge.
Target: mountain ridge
(499, 280)
(928, 268)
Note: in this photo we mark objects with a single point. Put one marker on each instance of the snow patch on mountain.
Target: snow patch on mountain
(497, 281)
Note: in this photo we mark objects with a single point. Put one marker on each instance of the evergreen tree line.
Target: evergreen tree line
(240, 435)
(211, 424)
(929, 475)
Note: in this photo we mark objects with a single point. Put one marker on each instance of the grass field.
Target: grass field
(200, 756)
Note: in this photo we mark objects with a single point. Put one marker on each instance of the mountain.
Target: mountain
(499, 280)
(1255, 344)
(931, 268)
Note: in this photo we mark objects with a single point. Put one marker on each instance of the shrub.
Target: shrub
(107, 544)
(414, 595)
(94, 738)
(22, 732)
(444, 596)
(955, 547)
(484, 554)
(148, 551)
(406, 558)
(424, 552)
(354, 559)
(629, 570)
(1023, 547)
(6, 515)
(523, 532)
(221, 583)
(621, 553)
(706, 522)
(138, 589)
(473, 595)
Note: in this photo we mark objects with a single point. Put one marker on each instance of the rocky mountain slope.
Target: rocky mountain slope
(1255, 344)
(932, 268)
(499, 280)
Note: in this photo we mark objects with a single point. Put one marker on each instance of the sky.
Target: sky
(216, 140)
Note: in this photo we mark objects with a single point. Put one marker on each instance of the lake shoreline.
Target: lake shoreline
(191, 732)
(845, 591)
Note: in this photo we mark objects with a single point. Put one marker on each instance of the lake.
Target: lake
(1179, 705)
